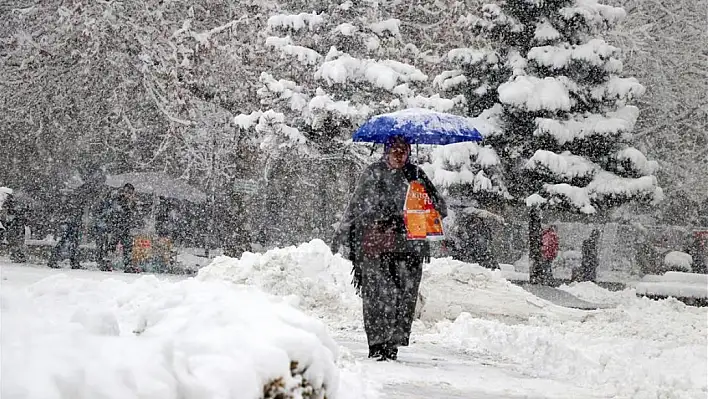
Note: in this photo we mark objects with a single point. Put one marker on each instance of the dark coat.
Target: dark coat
(120, 214)
(589, 262)
(379, 200)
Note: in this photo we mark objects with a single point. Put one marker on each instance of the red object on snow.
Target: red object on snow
(549, 244)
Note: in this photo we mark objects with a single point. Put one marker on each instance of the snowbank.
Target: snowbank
(639, 349)
(320, 283)
(66, 337)
(315, 278)
(451, 287)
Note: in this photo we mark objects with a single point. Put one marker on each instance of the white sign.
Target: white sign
(245, 186)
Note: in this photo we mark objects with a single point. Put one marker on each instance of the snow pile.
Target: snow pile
(640, 349)
(73, 338)
(451, 287)
(316, 279)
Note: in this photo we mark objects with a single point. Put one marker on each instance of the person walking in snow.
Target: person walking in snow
(71, 224)
(387, 266)
(120, 214)
(589, 261)
(16, 219)
(549, 251)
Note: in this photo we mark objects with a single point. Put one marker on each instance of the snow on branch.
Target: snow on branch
(392, 26)
(304, 55)
(247, 121)
(594, 14)
(448, 80)
(608, 184)
(493, 17)
(385, 74)
(637, 161)
(565, 193)
(271, 127)
(322, 101)
(545, 32)
(536, 94)
(596, 52)
(295, 21)
(285, 89)
(583, 126)
(564, 165)
(623, 89)
(345, 29)
(434, 102)
(461, 163)
(470, 56)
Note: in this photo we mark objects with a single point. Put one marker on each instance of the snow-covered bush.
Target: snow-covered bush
(678, 261)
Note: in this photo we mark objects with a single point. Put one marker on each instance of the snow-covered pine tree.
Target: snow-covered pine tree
(564, 115)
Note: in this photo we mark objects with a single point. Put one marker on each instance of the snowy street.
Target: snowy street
(481, 347)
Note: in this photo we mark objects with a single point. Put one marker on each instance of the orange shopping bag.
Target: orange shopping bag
(423, 221)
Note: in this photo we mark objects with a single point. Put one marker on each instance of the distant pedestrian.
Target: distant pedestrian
(71, 214)
(15, 221)
(549, 252)
(120, 216)
(589, 262)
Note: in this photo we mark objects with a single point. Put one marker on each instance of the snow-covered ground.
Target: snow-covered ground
(479, 336)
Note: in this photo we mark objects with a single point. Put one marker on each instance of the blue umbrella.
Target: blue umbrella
(418, 126)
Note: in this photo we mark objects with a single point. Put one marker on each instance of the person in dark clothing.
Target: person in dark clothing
(70, 226)
(119, 216)
(472, 241)
(589, 262)
(698, 252)
(102, 231)
(16, 220)
(387, 266)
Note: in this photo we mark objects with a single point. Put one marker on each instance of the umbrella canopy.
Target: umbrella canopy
(157, 184)
(418, 126)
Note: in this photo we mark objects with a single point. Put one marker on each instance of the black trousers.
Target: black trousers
(389, 289)
(70, 237)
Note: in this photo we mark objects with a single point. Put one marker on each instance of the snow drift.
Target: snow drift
(71, 338)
